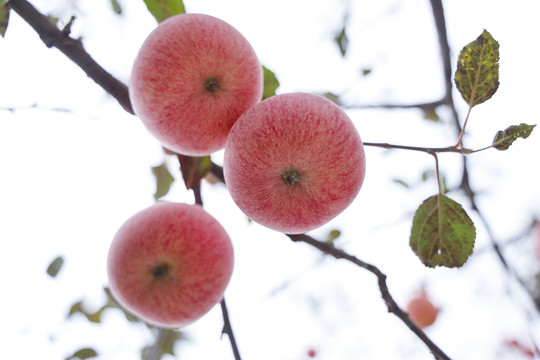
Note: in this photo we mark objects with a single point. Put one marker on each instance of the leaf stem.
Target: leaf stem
(460, 139)
(437, 173)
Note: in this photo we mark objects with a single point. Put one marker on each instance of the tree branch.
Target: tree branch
(73, 49)
(227, 327)
(393, 307)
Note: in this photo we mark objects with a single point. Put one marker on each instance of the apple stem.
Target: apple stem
(291, 177)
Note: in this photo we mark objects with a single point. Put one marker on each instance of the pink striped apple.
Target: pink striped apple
(293, 162)
(192, 78)
(169, 264)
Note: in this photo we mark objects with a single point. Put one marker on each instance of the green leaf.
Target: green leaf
(503, 139)
(55, 266)
(116, 7)
(271, 83)
(163, 9)
(164, 180)
(4, 18)
(442, 233)
(85, 353)
(342, 41)
(477, 74)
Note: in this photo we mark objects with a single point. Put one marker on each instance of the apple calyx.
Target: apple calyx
(291, 177)
(160, 271)
(212, 85)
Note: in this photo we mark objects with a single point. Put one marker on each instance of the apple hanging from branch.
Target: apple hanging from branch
(170, 263)
(293, 162)
(193, 77)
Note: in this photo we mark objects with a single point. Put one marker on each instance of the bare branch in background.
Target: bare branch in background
(73, 49)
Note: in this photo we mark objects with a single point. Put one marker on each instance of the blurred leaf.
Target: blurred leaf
(168, 339)
(401, 182)
(55, 266)
(477, 74)
(431, 114)
(503, 139)
(116, 7)
(164, 180)
(366, 71)
(342, 41)
(111, 303)
(428, 174)
(95, 317)
(332, 97)
(4, 18)
(77, 308)
(163, 9)
(442, 233)
(194, 169)
(85, 353)
(271, 83)
(333, 235)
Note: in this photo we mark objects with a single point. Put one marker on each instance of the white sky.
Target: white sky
(69, 179)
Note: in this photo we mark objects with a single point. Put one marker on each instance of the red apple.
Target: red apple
(293, 162)
(421, 310)
(169, 264)
(192, 78)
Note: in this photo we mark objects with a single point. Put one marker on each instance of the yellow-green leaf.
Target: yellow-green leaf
(342, 41)
(116, 7)
(333, 235)
(82, 354)
(4, 18)
(477, 74)
(271, 83)
(163, 9)
(164, 180)
(442, 233)
(503, 139)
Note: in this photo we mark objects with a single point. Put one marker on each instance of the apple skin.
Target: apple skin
(293, 162)
(169, 264)
(422, 311)
(193, 77)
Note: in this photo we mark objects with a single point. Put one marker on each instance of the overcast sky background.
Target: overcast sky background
(76, 166)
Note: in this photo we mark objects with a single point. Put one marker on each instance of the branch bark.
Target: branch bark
(73, 49)
(393, 307)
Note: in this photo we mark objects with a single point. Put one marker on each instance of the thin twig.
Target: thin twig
(393, 307)
(227, 329)
(73, 49)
